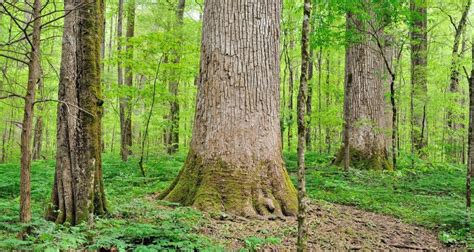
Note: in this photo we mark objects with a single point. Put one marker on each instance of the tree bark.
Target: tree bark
(124, 147)
(38, 133)
(235, 161)
(290, 91)
(470, 157)
(125, 102)
(172, 138)
(4, 145)
(78, 190)
(320, 102)
(419, 63)
(301, 106)
(365, 133)
(38, 138)
(328, 101)
(34, 76)
(309, 101)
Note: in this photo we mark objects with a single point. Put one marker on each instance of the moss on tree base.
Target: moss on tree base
(365, 161)
(261, 188)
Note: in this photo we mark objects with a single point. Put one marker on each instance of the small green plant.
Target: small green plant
(254, 243)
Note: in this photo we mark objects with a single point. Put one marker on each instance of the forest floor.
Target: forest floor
(331, 226)
(411, 208)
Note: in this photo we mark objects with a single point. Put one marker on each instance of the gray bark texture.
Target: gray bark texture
(172, 134)
(302, 241)
(34, 75)
(235, 161)
(78, 190)
(419, 63)
(366, 131)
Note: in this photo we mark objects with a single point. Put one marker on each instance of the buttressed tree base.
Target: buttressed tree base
(235, 162)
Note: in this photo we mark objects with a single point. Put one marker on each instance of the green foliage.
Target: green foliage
(431, 195)
(136, 220)
(254, 243)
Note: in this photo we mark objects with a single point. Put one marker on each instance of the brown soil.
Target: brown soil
(330, 227)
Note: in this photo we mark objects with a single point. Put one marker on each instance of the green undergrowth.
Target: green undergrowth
(431, 195)
(136, 220)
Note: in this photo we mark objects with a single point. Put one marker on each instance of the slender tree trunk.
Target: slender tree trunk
(301, 104)
(113, 140)
(38, 133)
(38, 138)
(328, 101)
(147, 125)
(111, 36)
(124, 147)
(11, 136)
(235, 161)
(290, 92)
(4, 144)
(364, 106)
(173, 131)
(419, 62)
(309, 101)
(320, 102)
(125, 103)
(34, 76)
(78, 190)
(470, 157)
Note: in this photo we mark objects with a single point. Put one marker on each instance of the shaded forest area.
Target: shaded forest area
(156, 125)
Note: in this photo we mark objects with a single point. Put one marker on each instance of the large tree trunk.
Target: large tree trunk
(419, 62)
(78, 191)
(34, 76)
(364, 106)
(172, 137)
(235, 162)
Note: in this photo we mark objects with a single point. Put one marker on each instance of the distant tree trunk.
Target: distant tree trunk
(235, 161)
(364, 106)
(320, 102)
(124, 147)
(38, 133)
(37, 139)
(173, 131)
(454, 119)
(301, 105)
(470, 157)
(309, 101)
(125, 102)
(78, 190)
(290, 92)
(34, 75)
(4, 145)
(111, 36)
(328, 101)
(11, 136)
(419, 62)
